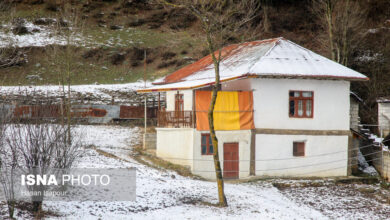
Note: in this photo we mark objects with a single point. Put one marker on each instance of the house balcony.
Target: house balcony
(176, 119)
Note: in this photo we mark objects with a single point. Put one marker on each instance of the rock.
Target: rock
(44, 21)
(37, 65)
(19, 21)
(20, 30)
(168, 55)
(64, 22)
(99, 15)
(387, 23)
(36, 30)
(52, 6)
(15, 59)
(118, 58)
(189, 59)
(116, 27)
(154, 25)
(138, 4)
(137, 53)
(166, 64)
(113, 14)
(104, 68)
(33, 77)
(135, 63)
(173, 176)
(96, 53)
(136, 22)
(157, 17)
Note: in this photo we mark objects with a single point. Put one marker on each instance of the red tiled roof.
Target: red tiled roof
(207, 60)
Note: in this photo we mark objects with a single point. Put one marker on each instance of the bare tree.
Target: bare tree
(42, 148)
(10, 55)
(266, 5)
(8, 160)
(342, 22)
(69, 28)
(220, 21)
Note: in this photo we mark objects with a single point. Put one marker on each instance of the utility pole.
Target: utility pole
(145, 109)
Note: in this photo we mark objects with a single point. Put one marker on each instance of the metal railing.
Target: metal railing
(176, 119)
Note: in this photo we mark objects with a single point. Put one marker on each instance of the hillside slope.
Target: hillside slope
(109, 43)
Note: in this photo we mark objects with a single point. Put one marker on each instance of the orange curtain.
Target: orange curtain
(233, 110)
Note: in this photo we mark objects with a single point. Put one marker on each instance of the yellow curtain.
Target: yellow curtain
(233, 110)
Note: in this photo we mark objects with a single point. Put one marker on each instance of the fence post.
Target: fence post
(382, 159)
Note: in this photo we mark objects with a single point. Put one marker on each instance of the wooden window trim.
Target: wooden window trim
(299, 148)
(304, 99)
(179, 101)
(207, 136)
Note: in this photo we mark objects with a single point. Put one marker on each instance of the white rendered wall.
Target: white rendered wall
(271, 104)
(204, 165)
(274, 156)
(175, 145)
(384, 117)
(187, 96)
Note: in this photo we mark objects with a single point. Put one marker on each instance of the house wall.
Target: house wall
(175, 145)
(354, 114)
(383, 167)
(274, 155)
(241, 84)
(274, 152)
(384, 117)
(204, 165)
(187, 96)
(331, 104)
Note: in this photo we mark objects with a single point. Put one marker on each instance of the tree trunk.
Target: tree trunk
(37, 207)
(11, 208)
(266, 22)
(68, 69)
(345, 51)
(329, 17)
(217, 164)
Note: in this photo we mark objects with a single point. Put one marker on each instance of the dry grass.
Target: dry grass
(150, 160)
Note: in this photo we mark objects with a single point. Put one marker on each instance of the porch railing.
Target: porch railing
(176, 119)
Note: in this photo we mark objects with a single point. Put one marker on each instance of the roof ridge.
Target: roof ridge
(269, 51)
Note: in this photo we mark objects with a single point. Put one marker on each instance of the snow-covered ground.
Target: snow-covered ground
(38, 36)
(43, 35)
(163, 194)
(96, 93)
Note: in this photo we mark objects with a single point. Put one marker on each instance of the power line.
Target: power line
(301, 166)
(273, 159)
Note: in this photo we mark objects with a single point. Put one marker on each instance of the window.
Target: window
(207, 145)
(179, 105)
(301, 104)
(298, 149)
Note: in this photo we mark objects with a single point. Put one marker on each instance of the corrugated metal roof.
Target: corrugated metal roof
(276, 57)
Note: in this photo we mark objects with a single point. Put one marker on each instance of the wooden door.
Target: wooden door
(230, 161)
(179, 109)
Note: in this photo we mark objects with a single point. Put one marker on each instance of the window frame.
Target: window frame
(296, 152)
(300, 98)
(208, 144)
(179, 102)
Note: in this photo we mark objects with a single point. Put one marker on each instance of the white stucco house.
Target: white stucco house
(283, 110)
